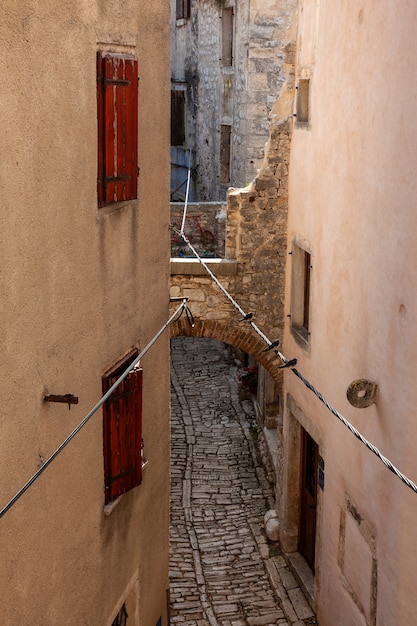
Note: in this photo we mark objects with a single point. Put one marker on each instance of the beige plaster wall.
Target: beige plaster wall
(78, 288)
(352, 200)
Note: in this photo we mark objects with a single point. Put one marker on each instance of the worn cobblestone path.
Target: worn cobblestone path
(222, 570)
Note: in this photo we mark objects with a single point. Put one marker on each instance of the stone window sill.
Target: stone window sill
(301, 336)
(192, 267)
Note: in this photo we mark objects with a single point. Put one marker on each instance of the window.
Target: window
(122, 432)
(117, 121)
(121, 617)
(177, 118)
(225, 132)
(227, 37)
(300, 294)
(182, 9)
(303, 94)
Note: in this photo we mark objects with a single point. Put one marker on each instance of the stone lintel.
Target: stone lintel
(192, 267)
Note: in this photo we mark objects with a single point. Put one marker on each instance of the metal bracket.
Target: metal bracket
(68, 398)
(362, 393)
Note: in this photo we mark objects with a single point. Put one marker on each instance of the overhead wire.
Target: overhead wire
(290, 364)
(187, 191)
(178, 312)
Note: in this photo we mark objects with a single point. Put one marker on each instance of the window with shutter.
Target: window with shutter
(122, 433)
(121, 617)
(303, 96)
(300, 294)
(227, 37)
(182, 9)
(117, 117)
(177, 118)
(225, 135)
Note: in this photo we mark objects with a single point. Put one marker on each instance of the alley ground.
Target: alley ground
(223, 571)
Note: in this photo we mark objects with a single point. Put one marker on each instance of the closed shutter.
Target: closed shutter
(177, 118)
(122, 434)
(182, 9)
(227, 37)
(225, 134)
(117, 114)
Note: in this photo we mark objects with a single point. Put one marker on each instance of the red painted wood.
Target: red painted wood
(117, 110)
(122, 435)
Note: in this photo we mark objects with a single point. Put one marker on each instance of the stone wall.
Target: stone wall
(256, 229)
(241, 96)
(266, 74)
(255, 233)
(205, 227)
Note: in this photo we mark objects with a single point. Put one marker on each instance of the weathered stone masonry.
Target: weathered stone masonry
(256, 240)
(241, 95)
(253, 270)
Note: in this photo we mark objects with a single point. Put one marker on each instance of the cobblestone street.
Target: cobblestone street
(223, 571)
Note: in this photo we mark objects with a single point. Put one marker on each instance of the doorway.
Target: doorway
(308, 498)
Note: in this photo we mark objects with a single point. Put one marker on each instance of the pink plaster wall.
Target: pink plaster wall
(352, 198)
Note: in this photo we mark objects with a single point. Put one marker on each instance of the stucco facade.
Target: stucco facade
(352, 206)
(79, 288)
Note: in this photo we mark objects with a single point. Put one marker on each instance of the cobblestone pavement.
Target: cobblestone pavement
(223, 572)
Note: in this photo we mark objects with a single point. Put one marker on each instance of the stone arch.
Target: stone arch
(240, 336)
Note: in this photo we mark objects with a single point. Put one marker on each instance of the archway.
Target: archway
(239, 336)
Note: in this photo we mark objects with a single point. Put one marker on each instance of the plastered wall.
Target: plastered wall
(79, 287)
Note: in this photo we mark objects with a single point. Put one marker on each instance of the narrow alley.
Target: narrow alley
(223, 570)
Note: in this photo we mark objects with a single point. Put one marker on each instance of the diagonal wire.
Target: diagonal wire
(355, 432)
(187, 192)
(227, 294)
(3, 511)
(349, 426)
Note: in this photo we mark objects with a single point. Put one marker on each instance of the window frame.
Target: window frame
(121, 617)
(177, 117)
(117, 127)
(182, 9)
(300, 316)
(303, 102)
(225, 153)
(227, 35)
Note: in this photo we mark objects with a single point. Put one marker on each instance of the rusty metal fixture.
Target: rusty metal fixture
(67, 398)
(362, 393)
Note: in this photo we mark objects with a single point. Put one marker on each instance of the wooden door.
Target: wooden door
(308, 498)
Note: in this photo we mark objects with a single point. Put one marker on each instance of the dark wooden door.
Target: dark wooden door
(308, 498)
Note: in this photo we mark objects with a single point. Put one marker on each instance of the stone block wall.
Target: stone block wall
(241, 95)
(205, 227)
(266, 74)
(256, 238)
(255, 231)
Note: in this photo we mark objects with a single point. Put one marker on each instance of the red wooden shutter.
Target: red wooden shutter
(117, 113)
(122, 434)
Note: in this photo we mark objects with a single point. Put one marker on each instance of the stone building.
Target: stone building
(83, 289)
(227, 69)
